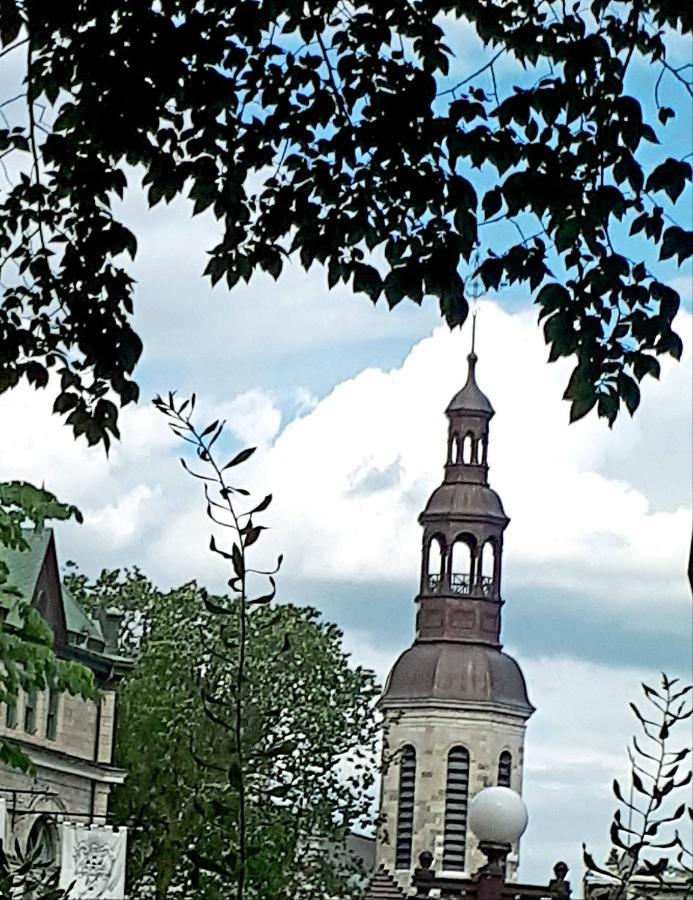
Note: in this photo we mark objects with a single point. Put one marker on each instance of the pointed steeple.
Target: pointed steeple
(463, 526)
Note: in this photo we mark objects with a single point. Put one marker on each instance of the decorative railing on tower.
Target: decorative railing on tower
(460, 583)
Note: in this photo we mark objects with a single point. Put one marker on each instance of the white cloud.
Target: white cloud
(357, 470)
(123, 520)
(252, 417)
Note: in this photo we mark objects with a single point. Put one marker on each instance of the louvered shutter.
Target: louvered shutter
(456, 802)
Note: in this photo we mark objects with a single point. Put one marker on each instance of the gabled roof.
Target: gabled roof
(24, 567)
(383, 886)
(77, 621)
(34, 574)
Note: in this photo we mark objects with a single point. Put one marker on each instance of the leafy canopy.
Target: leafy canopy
(308, 740)
(335, 132)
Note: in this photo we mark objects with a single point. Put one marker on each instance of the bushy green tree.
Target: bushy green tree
(336, 132)
(309, 731)
(309, 740)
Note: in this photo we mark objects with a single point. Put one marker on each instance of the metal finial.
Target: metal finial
(475, 311)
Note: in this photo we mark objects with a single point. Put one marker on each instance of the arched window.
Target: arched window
(468, 448)
(505, 767)
(462, 564)
(487, 564)
(454, 449)
(42, 843)
(483, 451)
(434, 570)
(405, 811)
(456, 801)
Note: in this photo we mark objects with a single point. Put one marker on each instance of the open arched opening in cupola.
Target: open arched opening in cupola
(487, 566)
(435, 562)
(462, 564)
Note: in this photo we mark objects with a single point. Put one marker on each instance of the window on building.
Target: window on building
(456, 802)
(52, 714)
(30, 712)
(505, 767)
(42, 843)
(11, 713)
(405, 812)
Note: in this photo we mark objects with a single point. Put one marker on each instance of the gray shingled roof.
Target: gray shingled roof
(383, 886)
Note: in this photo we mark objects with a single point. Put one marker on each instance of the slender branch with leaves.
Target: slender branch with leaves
(222, 511)
(294, 724)
(648, 819)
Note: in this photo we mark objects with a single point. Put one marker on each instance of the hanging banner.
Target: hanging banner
(93, 862)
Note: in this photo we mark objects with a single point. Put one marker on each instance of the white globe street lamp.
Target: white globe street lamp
(498, 815)
(498, 818)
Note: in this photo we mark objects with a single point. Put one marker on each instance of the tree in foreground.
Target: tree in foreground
(25, 876)
(651, 817)
(248, 738)
(346, 133)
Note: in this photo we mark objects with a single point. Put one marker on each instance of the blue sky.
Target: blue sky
(346, 404)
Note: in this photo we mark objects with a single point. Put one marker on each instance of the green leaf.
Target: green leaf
(552, 297)
(677, 242)
(671, 177)
(492, 202)
(240, 458)
(643, 364)
(367, 280)
(580, 408)
(453, 304)
(566, 234)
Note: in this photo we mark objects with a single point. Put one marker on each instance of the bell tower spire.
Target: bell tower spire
(455, 706)
(463, 525)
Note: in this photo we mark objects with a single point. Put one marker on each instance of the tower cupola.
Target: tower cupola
(463, 525)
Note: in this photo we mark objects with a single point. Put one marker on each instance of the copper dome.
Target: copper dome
(463, 498)
(452, 673)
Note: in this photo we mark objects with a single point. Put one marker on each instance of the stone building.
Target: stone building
(455, 706)
(69, 740)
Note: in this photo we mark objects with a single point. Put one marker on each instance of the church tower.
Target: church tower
(455, 706)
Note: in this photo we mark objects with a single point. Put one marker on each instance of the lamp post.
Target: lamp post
(498, 818)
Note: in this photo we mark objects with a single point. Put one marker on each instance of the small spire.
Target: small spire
(474, 291)
(472, 357)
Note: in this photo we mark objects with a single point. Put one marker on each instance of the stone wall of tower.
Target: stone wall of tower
(485, 733)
